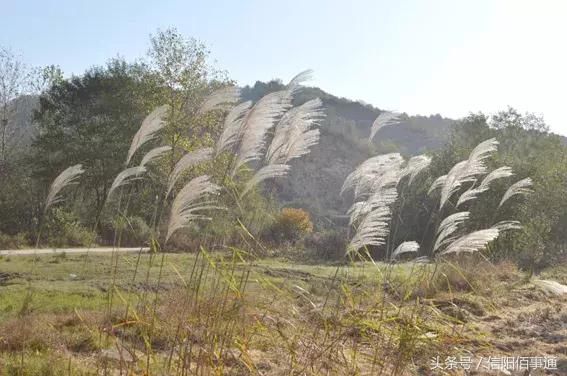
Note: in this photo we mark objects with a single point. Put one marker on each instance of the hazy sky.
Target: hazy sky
(420, 57)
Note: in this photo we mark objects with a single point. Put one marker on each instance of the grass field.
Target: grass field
(216, 314)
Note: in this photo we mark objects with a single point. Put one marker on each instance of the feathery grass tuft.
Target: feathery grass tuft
(126, 176)
(473, 242)
(448, 227)
(148, 130)
(154, 154)
(405, 247)
(187, 161)
(294, 134)
(266, 172)
(384, 196)
(371, 170)
(67, 177)
(372, 230)
(508, 225)
(232, 129)
(438, 183)
(416, 165)
(467, 170)
(220, 98)
(257, 122)
(188, 203)
(473, 193)
(522, 187)
(384, 119)
(300, 78)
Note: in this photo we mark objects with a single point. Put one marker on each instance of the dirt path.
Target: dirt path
(54, 251)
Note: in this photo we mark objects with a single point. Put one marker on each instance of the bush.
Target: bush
(327, 245)
(62, 229)
(290, 225)
(17, 241)
(132, 231)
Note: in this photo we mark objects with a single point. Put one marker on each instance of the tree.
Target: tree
(528, 148)
(14, 79)
(90, 120)
(180, 77)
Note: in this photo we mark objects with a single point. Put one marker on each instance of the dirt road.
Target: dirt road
(54, 251)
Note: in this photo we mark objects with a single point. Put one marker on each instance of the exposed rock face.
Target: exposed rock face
(315, 179)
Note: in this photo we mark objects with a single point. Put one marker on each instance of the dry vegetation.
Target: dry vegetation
(216, 314)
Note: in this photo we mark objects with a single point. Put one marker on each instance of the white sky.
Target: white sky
(418, 56)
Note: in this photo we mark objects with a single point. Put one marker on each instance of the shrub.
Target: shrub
(17, 241)
(62, 228)
(327, 245)
(132, 231)
(290, 225)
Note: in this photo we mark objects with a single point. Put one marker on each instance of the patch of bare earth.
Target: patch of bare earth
(525, 322)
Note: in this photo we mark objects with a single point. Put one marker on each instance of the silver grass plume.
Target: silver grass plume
(148, 130)
(405, 247)
(522, 187)
(484, 150)
(257, 122)
(293, 135)
(472, 194)
(370, 169)
(187, 161)
(232, 127)
(154, 154)
(422, 260)
(385, 196)
(384, 119)
(448, 227)
(300, 78)
(462, 172)
(369, 185)
(466, 171)
(126, 176)
(372, 230)
(416, 165)
(438, 183)
(301, 145)
(69, 176)
(508, 225)
(189, 202)
(220, 98)
(473, 242)
(266, 172)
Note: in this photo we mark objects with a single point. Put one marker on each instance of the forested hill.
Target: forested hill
(316, 178)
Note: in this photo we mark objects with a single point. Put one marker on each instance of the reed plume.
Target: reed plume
(189, 203)
(148, 130)
(473, 242)
(220, 99)
(187, 161)
(372, 230)
(386, 118)
(405, 247)
(522, 187)
(125, 177)
(257, 122)
(232, 128)
(473, 193)
(266, 172)
(154, 154)
(294, 135)
(447, 229)
(68, 177)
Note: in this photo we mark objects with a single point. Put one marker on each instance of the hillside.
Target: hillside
(316, 178)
